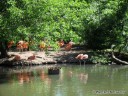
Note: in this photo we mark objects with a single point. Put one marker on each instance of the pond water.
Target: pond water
(73, 80)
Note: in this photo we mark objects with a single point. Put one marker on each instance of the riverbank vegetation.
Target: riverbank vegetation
(100, 25)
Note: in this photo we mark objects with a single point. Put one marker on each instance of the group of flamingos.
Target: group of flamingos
(23, 46)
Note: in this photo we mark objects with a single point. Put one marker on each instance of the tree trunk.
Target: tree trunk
(118, 60)
(3, 49)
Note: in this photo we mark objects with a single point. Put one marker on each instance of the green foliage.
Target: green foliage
(54, 45)
(99, 58)
(107, 25)
(97, 23)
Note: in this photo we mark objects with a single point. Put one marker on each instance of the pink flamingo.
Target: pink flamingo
(82, 57)
(68, 46)
(33, 57)
(20, 45)
(17, 58)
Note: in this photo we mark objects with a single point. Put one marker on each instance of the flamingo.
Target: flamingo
(42, 45)
(82, 57)
(69, 46)
(32, 57)
(25, 45)
(17, 58)
(61, 43)
(10, 43)
(20, 45)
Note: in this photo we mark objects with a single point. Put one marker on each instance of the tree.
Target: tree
(105, 25)
(19, 19)
(99, 24)
(34, 20)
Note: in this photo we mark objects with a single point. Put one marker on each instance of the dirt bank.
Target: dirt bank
(51, 57)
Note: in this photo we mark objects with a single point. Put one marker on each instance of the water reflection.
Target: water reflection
(23, 77)
(83, 77)
(72, 81)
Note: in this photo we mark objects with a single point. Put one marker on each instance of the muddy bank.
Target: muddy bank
(41, 58)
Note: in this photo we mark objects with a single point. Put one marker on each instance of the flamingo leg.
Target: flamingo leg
(80, 62)
(84, 62)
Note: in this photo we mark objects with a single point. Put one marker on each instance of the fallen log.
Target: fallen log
(118, 60)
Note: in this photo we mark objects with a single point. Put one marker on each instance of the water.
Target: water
(73, 80)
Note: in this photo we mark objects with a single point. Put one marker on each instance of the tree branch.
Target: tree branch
(118, 60)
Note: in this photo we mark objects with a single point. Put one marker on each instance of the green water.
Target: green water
(73, 80)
